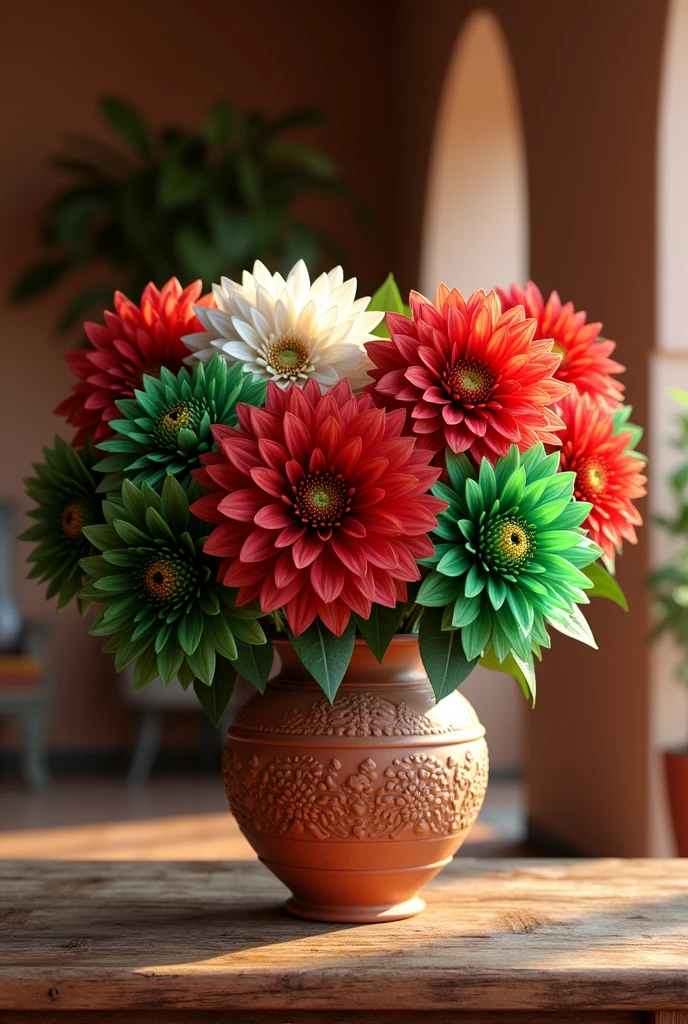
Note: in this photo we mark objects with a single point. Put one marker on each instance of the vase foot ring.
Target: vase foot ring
(355, 915)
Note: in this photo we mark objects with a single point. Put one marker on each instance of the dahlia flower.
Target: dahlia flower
(289, 331)
(509, 555)
(133, 341)
(64, 490)
(470, 376)
(167, 427)
(320, 505)
(163, 610)
(585, 356)
(609, 473)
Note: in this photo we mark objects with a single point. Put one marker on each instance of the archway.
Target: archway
(669, 366)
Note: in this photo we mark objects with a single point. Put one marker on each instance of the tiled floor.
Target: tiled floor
(178, 819)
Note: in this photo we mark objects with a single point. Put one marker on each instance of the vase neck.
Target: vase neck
(401, 664)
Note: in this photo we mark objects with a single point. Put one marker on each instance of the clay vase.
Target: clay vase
(676, 774)
(355, 805)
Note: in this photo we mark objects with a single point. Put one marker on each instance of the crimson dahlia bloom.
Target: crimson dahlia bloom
(608, 474)
(585, 357)
(320, 505)
(470, 376)
(134, 340)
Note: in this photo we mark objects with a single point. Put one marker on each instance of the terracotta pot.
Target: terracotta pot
(676, 771)
(357, 804)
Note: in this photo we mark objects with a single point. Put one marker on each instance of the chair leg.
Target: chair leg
(34, 761)
(146, 749)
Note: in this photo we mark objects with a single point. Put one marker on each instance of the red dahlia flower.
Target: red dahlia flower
(133, 341)
(585, 361)
(321, 505)
(608, 474)
(470, 376)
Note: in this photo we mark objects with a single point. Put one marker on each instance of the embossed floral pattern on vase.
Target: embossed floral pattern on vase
(351, 714)
(356, 804)
(298, 796)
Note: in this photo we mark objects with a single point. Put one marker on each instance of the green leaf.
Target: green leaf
(190, 630)
(437, 590)
(175, 506)
(219, 633)
(378, 630)
(248, 630)
(39, 277)
(254, 662)
(574, 625)
(215, 698)
(387, 299)
(145, 669)
(179, 184)
(127, 122)
(221, 122)
(509, 667)
(170, 659)
(604, 585)
(307, 157)
(202, 662)
(325, 655)
(442, 654)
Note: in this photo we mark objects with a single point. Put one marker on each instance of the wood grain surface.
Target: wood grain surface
(210, 938)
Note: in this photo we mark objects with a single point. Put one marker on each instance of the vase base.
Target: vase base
(355, 915)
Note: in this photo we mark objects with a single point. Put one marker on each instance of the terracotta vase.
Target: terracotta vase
(356, 805)
(676, 773)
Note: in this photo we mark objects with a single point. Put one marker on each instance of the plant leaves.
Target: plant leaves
(325, 655)
(254, 662)
(510, 667)
(378, 630)
(387, 299)
(604, 585)
(221, 122)
(215, 698)
(442, 654)
(127, 121)
(37, 278)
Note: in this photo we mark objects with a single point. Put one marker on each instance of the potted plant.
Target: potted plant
(383, 504)
(152, 200)
(670, 585)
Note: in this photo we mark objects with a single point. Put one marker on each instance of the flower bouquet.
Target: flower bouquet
(384, 494)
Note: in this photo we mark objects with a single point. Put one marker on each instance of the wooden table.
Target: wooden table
(501, 941)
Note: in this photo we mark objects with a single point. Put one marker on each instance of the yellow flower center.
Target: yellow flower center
(176, 418)
(287, 356)
(73, 519)
(559, 350)
(506, 544)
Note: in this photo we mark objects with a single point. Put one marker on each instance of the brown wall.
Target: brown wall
(588, 74)
(55, 60)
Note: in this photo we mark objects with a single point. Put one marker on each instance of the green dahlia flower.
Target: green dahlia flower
(64, 490)
(508, 556)
(166, 428)
(163, 608)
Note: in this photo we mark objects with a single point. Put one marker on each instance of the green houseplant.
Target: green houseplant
(168, 201)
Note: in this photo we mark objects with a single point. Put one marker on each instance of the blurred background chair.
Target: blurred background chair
(24, 687)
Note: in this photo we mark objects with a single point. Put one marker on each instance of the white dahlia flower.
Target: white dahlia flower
(289, 330)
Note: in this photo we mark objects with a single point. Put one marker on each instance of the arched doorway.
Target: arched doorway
(669, 365)
(475, 235)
